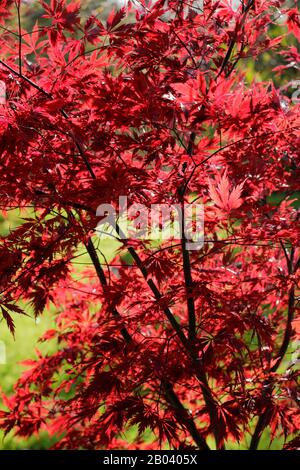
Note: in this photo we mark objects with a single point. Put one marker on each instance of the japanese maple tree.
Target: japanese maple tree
(155, 104)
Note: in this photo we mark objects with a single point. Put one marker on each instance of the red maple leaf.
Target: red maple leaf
(224, 197)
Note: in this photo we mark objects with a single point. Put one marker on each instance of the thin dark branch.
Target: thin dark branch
(157, 295)
(199, 366)
(18, 6)
(171, 397)
(288, 331)
(184, 415)
(186, 48)
(26, 79)
(102, 278)
(232, 42)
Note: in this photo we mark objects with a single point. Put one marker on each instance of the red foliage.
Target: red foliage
(154, 106)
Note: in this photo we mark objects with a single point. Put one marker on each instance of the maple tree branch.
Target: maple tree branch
(263, 418)
(226, 59)
(18, 7)
(183, 413)
(188, 278)
(285, 254)
(290, 314)
(120, 115)
(63, 113)
(7, 30)
(288, 331)
(26, 79)
(189, 288)
(102, 278)
(170, 395)
(206, 390)
(200, 374)
(262, 423)
(297, 265)
(150, 282)
(199, 367)
(187, 271)
(186, 48)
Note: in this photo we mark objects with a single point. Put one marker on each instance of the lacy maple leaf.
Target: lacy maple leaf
(223, 196)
